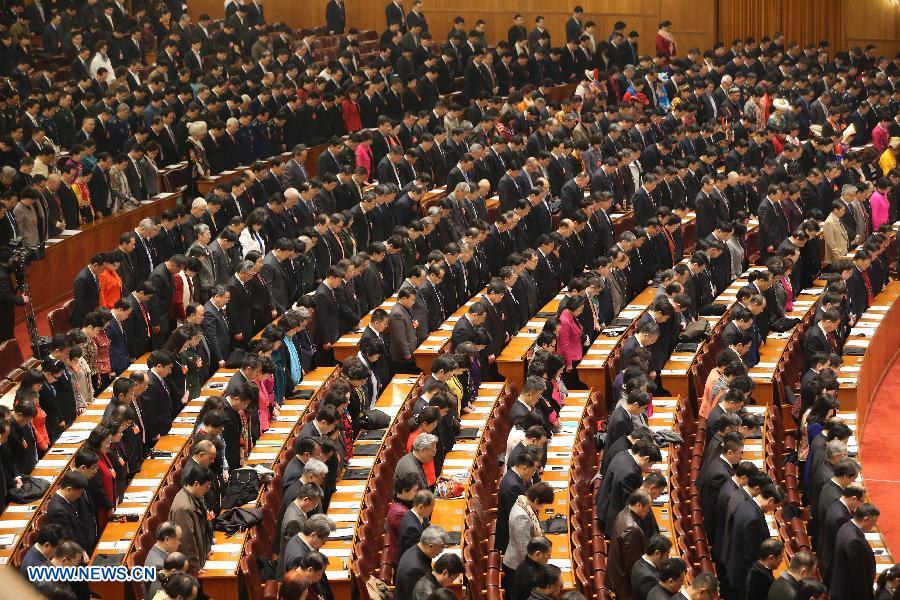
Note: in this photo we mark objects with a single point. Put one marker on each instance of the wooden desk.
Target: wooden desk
(513, 360)
(439, 339)
(876, 332)
(348, 506)
(450, 513)
(220, 573)
(557, 474)
(51, 278)
(595, 368)
(348, 344)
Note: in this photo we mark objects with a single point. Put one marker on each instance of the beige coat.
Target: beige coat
(836, 241)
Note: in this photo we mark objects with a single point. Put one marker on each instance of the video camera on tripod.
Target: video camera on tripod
(20, 257)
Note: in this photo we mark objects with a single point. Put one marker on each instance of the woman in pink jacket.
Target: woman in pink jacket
(569, 341)
(879, 203)
(364, 154)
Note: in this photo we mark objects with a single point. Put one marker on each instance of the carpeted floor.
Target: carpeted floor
(879, 449)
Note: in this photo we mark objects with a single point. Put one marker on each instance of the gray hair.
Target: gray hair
(835, 448)
(303, 313)
(245, 266)
(462, 186)
(202, 228)
(433, 535)
(291, 193)
(849, 189)
(534, 384)
(315, 468)
(232, 121)
(434, 211)
(198, 203)
(425, 441)
(320, 526)
(148, 224)
(476, 148)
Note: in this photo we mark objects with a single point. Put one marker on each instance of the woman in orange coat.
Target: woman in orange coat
(109, 280)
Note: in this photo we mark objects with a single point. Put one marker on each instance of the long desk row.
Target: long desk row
(355, 501)
(273, 448)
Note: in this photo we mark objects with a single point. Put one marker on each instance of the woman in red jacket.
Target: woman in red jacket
(570, 340)
(350, 110)
(102, 487)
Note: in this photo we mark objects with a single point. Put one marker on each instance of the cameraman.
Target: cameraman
(8, 297)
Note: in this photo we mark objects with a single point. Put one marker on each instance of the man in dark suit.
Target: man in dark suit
(156, 401)
(86, 290)
(274, 272)
(415, 520)
(139, 325)
(837, 514)
(515, 482)
(465, 326)
(787, 586)
(627, 543)
(215, 324)
(119, 350)
(625, 474)
(327, 329)
(760, 577)
(523, 581)
(415, 563)
(240, 304)
(773, 222)
(645, 573)
(853, 572)
(62, 511)
(821, 337)
(621, 421)
(713, 476)
(335, 17)
(48, 538)
(572, 194)
(748, 531)
(328, 161)
(163, 291)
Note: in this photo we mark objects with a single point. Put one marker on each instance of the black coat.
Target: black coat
(65, 514)
(854, 565)
(86, 295)
(644, 576)
(511, 487)
(747, 533)
(759, 581)
(156, 408)
(412, 566)
(834, 519)
(710, 482)
(622, 478)
(784, 588)
(411, 529)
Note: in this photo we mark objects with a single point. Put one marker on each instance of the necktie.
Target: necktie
(832, 342)
(871, 297)
(146, 317)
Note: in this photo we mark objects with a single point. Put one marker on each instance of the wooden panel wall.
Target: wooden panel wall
(696, 23)
(693, 20)
(873, 22)
(802, 21)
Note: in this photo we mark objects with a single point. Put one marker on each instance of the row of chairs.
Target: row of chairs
(369, 538)
(791, 519)
(685, 464)
(483, 564)
(588, 544)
